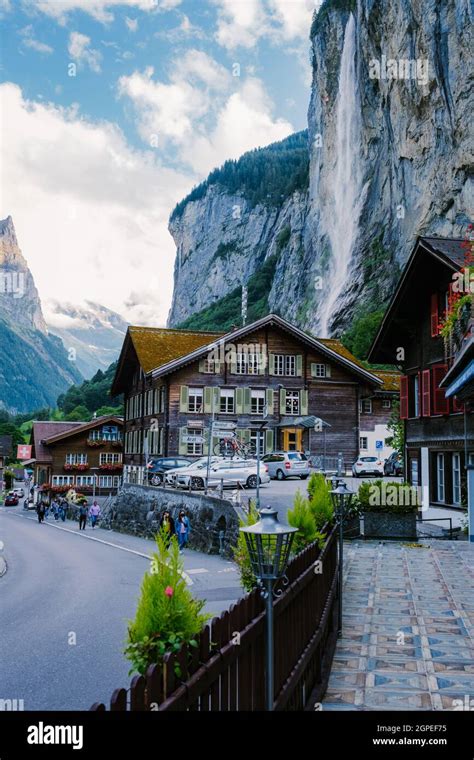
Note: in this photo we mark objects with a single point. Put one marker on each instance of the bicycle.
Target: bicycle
(232, 447)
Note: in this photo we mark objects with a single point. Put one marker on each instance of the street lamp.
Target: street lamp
(269, 544)
(341, 498)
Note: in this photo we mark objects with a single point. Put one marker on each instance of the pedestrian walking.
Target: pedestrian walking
(40, 510)
(82, 516)
(62, 510)
(55, 509)
(167, 525)
(182, 530)
(94, 513)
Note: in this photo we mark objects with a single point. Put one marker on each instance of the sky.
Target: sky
(112, 110)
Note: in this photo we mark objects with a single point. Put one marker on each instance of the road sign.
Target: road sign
(223, 434)
(379, 444)
(192, 439)
(217, 424)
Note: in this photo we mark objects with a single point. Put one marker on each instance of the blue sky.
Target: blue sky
(114, 110)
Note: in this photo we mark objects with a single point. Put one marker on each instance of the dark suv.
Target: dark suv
(393, 465)
(157, 468)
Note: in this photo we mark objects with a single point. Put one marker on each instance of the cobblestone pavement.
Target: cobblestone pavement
(408, 628)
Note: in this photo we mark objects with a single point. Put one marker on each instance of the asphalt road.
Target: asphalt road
(63, 587)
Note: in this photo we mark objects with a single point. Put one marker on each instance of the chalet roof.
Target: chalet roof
(155, 346)
(84, 426)
(330, 348)
(448, 251)
(43, 429)
(389, 378)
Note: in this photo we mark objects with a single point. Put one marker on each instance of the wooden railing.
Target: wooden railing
(226, 671)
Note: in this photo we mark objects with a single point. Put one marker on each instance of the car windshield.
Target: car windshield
(296, 455)
(368, 459)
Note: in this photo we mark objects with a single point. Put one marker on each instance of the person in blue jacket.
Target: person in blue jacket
(182, 529)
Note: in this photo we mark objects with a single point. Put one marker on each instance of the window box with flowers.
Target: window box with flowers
(456, 323)
(95, 443)
(75, 467)
(113, 466)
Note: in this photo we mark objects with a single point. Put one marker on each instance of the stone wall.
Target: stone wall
(137, 510)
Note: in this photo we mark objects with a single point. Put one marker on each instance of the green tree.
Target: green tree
(78, 414)
(241, 555)
(301, 517)
(320, 501)
(397, 429)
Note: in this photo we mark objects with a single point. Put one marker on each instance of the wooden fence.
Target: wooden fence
(226, 671)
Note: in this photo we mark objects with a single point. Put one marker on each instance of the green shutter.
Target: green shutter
(183, 398)
(282, 401)
(239, 401)
(182, 447)
(217, 398)
(299, 365)
(247, 401)
(243, 434)
(270, 399)
(268, 441)
(304, 402)
(218, 367)
(202, 364)
(262, 361)
(328, 370)
(205, 445)
(207, 399)
(271, 364)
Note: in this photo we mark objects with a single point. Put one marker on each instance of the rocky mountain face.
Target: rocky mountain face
(34, 365)
(389, 153)
(95, 333)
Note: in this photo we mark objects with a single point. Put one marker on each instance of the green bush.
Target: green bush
(241, 556)
(388, 497)
(320, 501)
(167, 614)
(302, 517)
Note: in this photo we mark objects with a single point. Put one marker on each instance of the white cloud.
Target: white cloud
(91, 214)
(201, 112)
(99, 9)
(80, 51)
(29, 41)
(132, 24)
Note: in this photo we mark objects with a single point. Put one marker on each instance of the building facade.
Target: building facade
(438, 428)
(270, 379)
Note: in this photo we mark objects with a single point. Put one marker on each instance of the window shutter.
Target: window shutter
(205, 445)
(270, 400)
(233, 364)
(217, 398)
(202, 364)
(313, 369)
(434, 315)
(328, 370)
(239, 401)
(440, 402)
(458, 406)
(218, 366)
(404, 398)
(183, 398)
(262, 361)
(268, 441)
(183, 446)
(208, 400)
(244, 435)
(304, 402)
(282, 401)
(247, 401)
(271, 365)
(426, 393)
(299, 365)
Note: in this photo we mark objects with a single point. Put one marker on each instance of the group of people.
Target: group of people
(179, 528)
(92, 512)
(58, 509)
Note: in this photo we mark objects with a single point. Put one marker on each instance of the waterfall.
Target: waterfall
(346, 191)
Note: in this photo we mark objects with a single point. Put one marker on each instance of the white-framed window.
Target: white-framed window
(63, 480)
(440, 482)
(194, 448)
(110, 458)
(278, 364)
(290, 365)
(416, 396)
(109, 481)
(456, 479)
(95, 435)
(195, 400)
(319, 370)
(76, 458)
(257, 401)
(227, 401)
(365, 406)
(209, 366)
(292, 402)
(363, 443)
(84, 480)
(258, 434)
(386, 403)
(247, 363)
(110, 433)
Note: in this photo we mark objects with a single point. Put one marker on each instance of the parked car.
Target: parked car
(367, 466)
(158, 467)
(19, 492)
(231, 472)
(393, 465)
(198, 464)
(287, 464)
(11, 500)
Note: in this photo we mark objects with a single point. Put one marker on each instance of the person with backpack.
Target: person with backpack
(40, 510)
(182, 529)
(82, 516)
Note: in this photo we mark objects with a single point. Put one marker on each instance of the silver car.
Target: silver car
(229, 472)
(287, 464)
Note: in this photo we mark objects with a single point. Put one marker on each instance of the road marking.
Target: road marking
(197, 570)
(186, 577)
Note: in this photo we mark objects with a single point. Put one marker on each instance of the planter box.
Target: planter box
(352, 527)
(386, 525)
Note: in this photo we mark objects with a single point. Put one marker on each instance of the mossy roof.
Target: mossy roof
(156, 346)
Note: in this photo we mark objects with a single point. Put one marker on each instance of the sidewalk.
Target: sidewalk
(408, 628)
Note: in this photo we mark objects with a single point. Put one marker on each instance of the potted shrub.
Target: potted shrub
(389, 509)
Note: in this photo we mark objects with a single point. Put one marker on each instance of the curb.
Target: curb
(3, 567)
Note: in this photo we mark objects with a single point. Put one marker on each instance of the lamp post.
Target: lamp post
(341, 498)
(269, 545)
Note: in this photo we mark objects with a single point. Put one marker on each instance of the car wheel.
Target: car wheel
(156, 480)
(251, 481)
(303, 477)
(197, 483)
(280, 475)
